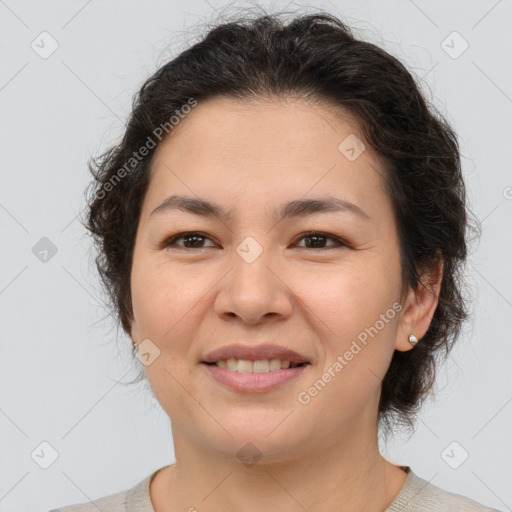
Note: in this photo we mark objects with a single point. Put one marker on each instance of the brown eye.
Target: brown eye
(191, 240)
(317, 239)
(195, 240)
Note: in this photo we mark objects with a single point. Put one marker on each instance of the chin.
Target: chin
(259, 441)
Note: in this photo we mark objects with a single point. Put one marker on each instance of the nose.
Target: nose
(254, 292)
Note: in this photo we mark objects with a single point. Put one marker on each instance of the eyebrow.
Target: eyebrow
(297, 208)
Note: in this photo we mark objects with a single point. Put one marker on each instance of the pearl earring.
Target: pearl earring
(413, 340)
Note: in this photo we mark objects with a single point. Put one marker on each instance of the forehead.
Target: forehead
(291, 124)
(265, 149)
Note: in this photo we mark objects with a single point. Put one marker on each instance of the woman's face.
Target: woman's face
(253, 278)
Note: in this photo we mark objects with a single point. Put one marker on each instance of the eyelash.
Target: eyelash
(169, 242)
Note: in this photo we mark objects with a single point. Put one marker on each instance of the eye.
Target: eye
(194, 238)
(318, 238)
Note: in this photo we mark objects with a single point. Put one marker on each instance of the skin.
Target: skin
(250, 158)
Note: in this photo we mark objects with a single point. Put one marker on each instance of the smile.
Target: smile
(259, 366)
(259, 376)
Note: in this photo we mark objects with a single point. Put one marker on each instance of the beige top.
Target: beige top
(416, 495)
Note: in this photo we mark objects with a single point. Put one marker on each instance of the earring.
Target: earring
(413, 340)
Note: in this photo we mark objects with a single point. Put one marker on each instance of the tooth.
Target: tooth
(244, 366)
(232, 363)
(261, 366)
(275, 364)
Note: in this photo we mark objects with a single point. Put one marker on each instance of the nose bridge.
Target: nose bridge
(252, 289)
(252, 263)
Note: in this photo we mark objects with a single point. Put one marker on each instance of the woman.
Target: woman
(282, 231)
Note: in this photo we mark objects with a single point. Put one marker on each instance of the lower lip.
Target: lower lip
(253, 382)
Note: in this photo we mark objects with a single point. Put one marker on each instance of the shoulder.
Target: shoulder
(418, 495)
(112, 503)
(136, 499)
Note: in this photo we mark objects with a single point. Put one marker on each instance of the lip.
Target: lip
(253, 382)
(255, 353)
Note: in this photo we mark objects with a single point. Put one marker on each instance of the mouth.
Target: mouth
(258, 366)
(254, 368)
(259, 376)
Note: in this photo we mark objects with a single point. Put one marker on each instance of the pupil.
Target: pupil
(189, 237)
(316, 238)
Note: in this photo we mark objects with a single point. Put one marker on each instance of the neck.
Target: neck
(336, 475)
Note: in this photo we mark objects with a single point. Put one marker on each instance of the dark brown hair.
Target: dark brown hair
(315, 56)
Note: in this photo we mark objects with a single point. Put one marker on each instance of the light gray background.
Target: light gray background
(59, 359)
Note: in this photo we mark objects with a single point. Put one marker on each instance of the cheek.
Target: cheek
(344, 310)
(163, 306)
(163, 297)
(349, 297)
(353, 311)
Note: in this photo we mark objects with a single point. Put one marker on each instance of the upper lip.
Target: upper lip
(254, 353)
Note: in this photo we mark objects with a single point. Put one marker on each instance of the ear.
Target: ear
(419, 307)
